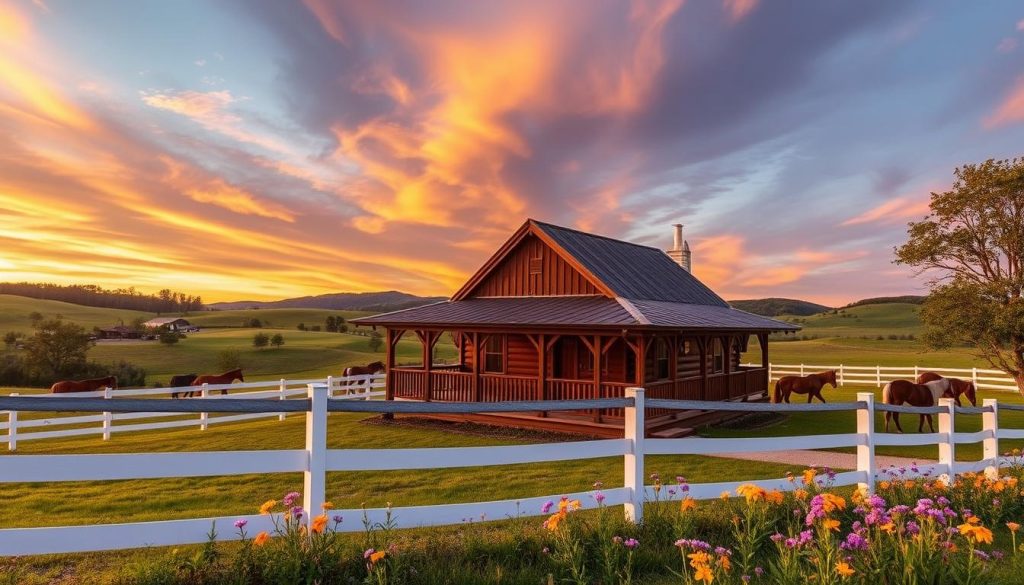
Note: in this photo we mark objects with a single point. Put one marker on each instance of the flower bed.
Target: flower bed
(925, 531)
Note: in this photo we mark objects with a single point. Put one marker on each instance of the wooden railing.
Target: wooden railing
(411, 384)
(500, 388)
(451, 386)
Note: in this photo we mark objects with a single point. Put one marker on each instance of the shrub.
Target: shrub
(277, 340)
(260, 340)
(229, 359)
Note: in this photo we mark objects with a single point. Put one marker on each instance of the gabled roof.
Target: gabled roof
(642, 287)
(164, 321)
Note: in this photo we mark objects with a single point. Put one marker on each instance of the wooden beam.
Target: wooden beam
(389, 363)
(551, 341)
(590, 345)
(542, 370)
(597, 374)
(476, 367)
(702, 347)
(608, 344)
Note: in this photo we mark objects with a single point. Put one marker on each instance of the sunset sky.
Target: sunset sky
(264, 149)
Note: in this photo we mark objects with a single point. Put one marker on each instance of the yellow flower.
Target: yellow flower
(267, 507)
(975, 532)
(553, 522)
(832, 502)
(884, 485)
(725, 563)
(319, 524)
(800, 494)
(774, 497)
(698, 558)
(888, 527)
(844, 569)
(327, 506)
(831, 524)
(687, 504)
(703, 573)
(574, 505)
(725, 495)
(1013, 526)
(261, 539)
(751, 492)
(809, 475)
(377, 557)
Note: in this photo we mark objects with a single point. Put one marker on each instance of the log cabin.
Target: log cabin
(560, 314)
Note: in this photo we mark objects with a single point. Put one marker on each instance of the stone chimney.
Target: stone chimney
(680, 252)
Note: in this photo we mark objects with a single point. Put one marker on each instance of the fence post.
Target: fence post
(204, 417)
(330, 386)
(917, 372)
(801, 369)
(842, 376)
(974, 376)
(947, 446)
(990, 445)
(314, 478)
(281, 390)
(866, 442)
(634, 458)
(769, 372)
(878, 376)
(107, 418)
(12, 428)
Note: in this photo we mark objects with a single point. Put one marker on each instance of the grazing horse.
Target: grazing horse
(899, 392)
(225, 378)
(372, 368)
(84, 385)
(180, 381)
(960, 387)
(810, 385)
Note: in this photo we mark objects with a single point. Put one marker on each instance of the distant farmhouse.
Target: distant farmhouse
(117, 332)
(171, 323)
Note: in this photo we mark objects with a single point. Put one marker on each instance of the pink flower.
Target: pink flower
(240, 524)
(290, 498)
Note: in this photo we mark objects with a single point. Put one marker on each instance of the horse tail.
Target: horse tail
(887, 393)
(778, 392)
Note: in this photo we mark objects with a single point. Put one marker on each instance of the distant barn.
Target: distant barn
(117, 332)
(559, 314)
(172, 323)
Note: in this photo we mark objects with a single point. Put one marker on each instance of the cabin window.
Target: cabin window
(661, 359)
(717, 357)
(494, 355)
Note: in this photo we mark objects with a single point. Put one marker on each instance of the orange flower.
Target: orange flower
(844, 569)
(1013, 526)
(319, 524)
(800, 495)
(888, 527)
(774, 497)
(831, 524)
(267, 507)
(703, 573)
(751, 492)
(975, 532)
(687, 504)
(809, 475)
(377, 557)
(327, 506)
(832, 502)
(884, 485)
(553, 522)
(261, 538)
(725, 563)
(725, 495)
(698, 558)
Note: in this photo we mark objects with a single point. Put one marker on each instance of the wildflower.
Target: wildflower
(725, 495)
(319, 524)
(617, 539)
(631, 543)
(809, 475)
(368, 552)
(544, 509)
(975, 532)
(261, 538)
(844, 569)
(800, 494)
(327, 507)
(777, 537)
(554, 520)
(687, 504)
(831, 524)
(337, 518)
(267, 507)
(377, 557)
(703, 573)
(1013, 526)
(240, 524)
(759, 571)
(290, 498)
(774, 497)
(751, 492)
(698, 558)
(598, 485)
(599, 497)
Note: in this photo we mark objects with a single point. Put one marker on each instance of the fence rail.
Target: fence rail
(120, 406)
(879, 375)
(316, 460)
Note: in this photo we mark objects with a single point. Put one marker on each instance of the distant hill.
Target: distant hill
(905, 299)
(773, 307)
(391, 300)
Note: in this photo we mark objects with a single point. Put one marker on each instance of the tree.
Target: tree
(375, 341)
(301, 327)
(340, 325)
(57, 347)
(277, 340)
(971, 248)
(330, 325)
(254, 322)
(11, 338)
(168, 337)
(35, 317)
(229, 359)
(260, 340)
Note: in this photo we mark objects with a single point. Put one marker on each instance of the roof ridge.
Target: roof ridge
(593, 235)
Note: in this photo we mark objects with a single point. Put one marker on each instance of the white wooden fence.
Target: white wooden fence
(61, 425)
(316, 460)
(879, 375)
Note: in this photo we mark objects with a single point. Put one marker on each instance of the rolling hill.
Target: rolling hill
(377, 302)
(774, 307)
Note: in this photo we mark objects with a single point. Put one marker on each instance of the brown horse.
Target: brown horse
(960, 387)
(84, 385)
(899, 392)
(810, 385)
(180, 381)
(225, 378)
(372, 368)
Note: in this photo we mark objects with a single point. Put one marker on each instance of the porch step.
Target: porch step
(673, 433)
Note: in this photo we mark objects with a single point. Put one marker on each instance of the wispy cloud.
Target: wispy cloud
(1010, 109)
(894, 210)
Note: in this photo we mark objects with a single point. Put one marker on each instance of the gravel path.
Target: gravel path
(811, 458)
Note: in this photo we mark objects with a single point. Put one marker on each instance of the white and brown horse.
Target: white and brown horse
(368, 369)
(959, 387)
(900, 392)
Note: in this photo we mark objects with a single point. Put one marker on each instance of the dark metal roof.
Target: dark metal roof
(630, 270)
(581, 311)
(588, 310)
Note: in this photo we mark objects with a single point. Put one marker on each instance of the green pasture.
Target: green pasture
(271, 318)
(865, 320)
(15, 311)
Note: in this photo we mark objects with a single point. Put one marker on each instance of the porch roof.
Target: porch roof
(575, 311)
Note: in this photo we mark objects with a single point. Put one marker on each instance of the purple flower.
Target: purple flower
(547, 507)
(631, 543)
(777, 537)
(297, 512)
(722, 551)
(290, 498)
(998, 555)
(545, 550)
(240, 524)
(982, 555)
(913, 527)
(599, 497)
(758, 571)
(337, 519)
(745, 578)
(693, 544)
(854, 541)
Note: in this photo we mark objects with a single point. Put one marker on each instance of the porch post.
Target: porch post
(427, 337)
(476, 367)
(598, 357)
(389, 363)
(542, 369)
(702, 346)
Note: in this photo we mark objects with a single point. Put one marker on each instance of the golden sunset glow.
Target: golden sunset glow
(344, 146)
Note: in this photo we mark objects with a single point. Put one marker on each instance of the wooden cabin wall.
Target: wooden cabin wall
(520, 356)
(688, 364)
(516, 277)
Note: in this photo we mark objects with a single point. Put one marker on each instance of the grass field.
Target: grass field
(15, 310)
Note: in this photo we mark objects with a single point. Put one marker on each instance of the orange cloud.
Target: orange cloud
(326, 15)
(221, 194)
(738, 9)
(1010, 110)
(893, 210)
